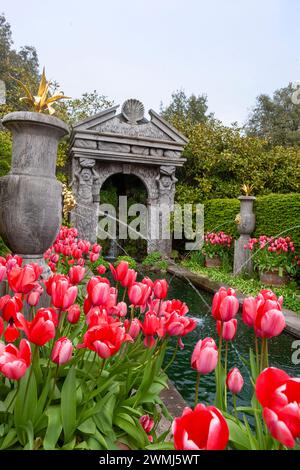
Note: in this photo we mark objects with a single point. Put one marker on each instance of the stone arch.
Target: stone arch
(127, 143)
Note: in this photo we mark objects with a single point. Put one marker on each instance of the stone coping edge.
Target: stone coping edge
(291, 318)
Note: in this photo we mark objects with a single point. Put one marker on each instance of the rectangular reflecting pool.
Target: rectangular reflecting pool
(181, 373)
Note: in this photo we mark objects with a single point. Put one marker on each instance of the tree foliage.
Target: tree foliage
(193, 109)
(220, 159)
(277, 118)
(75, 110)
(22, 64)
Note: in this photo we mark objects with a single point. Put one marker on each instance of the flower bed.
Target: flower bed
(216, 247)
(86, 372)
(273, 256)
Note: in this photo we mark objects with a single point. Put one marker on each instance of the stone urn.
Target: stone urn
(245, 227)
(30, 195)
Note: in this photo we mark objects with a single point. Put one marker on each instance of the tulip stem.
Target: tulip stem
(257, 353)
(197, 388)
(234, 405)
(172, 358)
(124, 294)
(225, 373)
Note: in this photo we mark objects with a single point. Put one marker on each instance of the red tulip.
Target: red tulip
(76, 274)
(225, 305)
(10, 306)
(176, 325)
(203, 428)
(138, 293)
(171, 306)
(11, 334)
(160, 288)
(234, 381)
(147, 423)
(205, 356)
(129, 278)
(279, 395)
(42, 328)
(96, 248)
(73, 314)
(120, 271)
(23, 280)
(14, 362)
(150, 326)
(63, 295)
(54, 278)
(229, 329)
(62, 351)
(101, 269)
(105, 339)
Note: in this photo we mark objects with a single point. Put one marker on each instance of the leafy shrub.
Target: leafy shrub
(130, 261)
(276, 215)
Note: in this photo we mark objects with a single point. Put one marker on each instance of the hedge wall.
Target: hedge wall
(275, 213)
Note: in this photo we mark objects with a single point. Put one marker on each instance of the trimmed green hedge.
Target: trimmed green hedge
(276, 214)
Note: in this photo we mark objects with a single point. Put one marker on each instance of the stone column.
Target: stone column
(86, 187)
(246, 225)
(166, 189)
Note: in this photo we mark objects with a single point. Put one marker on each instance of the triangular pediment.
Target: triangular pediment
(109, 122)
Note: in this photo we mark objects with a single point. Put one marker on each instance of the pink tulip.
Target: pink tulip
(235, 381)
(160, 288)
(134, 328)
(270, 324)
(225, 304)
(205, 356)
(249, 311)
(229, 329)
(63, 295)
(15, 362)
(147, 423)
(76, 274)
(62, 351)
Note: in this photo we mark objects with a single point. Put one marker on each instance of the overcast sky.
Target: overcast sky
(231, 50)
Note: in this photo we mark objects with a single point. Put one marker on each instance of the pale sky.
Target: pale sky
(231, 50)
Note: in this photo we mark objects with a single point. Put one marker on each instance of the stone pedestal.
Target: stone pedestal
(246, 225)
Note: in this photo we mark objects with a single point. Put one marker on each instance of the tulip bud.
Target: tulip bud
(62, 351)
(234, 381)
(73, 314)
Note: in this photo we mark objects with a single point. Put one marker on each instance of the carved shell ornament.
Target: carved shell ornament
(133, 111)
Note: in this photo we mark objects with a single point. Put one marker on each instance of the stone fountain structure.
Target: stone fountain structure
(125, 143)
(246, 224)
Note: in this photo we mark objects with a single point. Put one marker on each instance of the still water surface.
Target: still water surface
(181, 373)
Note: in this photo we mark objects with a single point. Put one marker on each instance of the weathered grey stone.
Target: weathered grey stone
(110, 146)
(242, 257)
(139, 150)
(30, 196)
(171, 154)
(127, 131)
(156, 152)
(86, 144)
